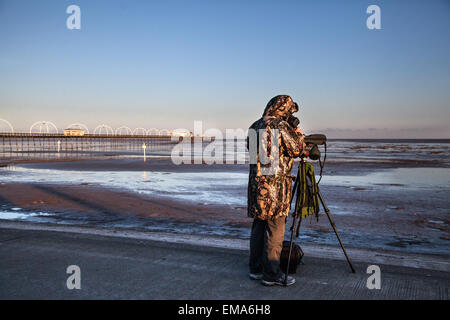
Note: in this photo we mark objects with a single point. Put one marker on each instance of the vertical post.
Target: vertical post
(144, 147)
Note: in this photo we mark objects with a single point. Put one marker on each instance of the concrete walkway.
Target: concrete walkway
(34, 259)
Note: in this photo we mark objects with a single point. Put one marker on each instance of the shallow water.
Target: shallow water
(15, 215)
(204, 187)
(405, 178)
(339, 151)
(221, 187)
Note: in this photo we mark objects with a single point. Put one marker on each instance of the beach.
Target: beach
(378, 198)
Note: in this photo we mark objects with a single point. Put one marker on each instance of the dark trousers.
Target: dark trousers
(266, 242)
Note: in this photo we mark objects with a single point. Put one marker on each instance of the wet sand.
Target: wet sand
(367, 217)
(103, 207)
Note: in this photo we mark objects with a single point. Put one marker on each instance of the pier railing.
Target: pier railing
(50, 144)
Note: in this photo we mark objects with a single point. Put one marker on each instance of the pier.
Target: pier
(43, 145)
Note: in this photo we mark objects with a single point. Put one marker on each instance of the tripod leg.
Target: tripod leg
(290, 251)
(295, 190)
(299, 225)
(297, 233)
(334, 228)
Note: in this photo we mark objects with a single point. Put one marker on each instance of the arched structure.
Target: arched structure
(9, 125)
(153, 132)
(108, 130)
(168, 133)
(139, 132)
(79, 126)
(44, 127)
(120, 130)
(181, 133)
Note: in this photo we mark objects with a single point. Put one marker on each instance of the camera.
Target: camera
(293, 121)
(312, 141)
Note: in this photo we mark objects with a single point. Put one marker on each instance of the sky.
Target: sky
(166, 64)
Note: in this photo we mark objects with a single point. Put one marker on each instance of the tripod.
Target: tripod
(298, 213)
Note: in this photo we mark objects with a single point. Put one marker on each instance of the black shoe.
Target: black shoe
(280, 281)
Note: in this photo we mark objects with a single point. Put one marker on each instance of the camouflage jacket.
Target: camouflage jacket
(270, 180)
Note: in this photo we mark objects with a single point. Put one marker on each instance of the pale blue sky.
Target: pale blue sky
(167, 63)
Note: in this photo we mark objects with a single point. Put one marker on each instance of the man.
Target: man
(273, 144)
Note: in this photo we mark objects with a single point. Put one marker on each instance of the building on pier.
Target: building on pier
(74, 132)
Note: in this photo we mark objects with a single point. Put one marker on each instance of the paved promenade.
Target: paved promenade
(134, 265)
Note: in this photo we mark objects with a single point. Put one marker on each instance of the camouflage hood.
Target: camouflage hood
(280, 107)
(269, 193)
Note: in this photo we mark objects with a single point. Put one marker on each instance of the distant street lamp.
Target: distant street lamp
(59, 147)
(144, 147)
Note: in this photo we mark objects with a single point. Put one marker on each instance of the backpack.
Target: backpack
(296, 257)
(309, 200)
